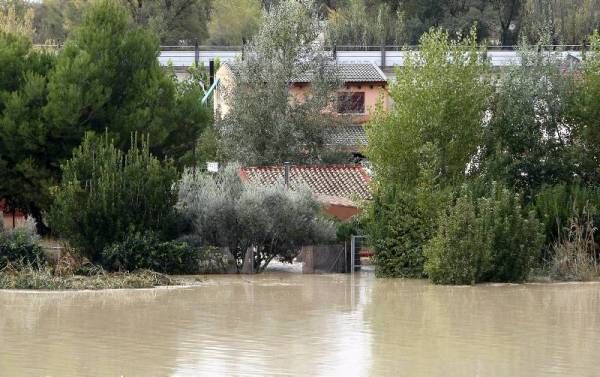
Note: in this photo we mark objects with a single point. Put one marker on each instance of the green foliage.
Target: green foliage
(586, 112)
(233, 21)
(397, 232)
(440, 96)
(146, 251)
(357, 25)
(529, 139)
(108, 77)
(20, 246)
(400, 221)
(28, 146)
(272, 221)
(266, 123)
(556, 204)
(460, 251)
(484, 239)
(106, 194)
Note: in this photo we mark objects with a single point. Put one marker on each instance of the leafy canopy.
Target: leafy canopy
(439, 98)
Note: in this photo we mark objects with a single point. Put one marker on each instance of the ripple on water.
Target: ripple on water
(289, 324)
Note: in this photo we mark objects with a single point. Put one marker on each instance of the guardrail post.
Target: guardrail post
(382, 56)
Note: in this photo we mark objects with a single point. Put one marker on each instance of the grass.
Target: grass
(44, 279)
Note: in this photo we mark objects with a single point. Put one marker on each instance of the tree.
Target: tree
(529, 139)
(267, 123)
(16, 17)
(28, 161)
(174, 21)
(269, 222)
(233, 21)
(508, 14)
(355, 24)
(567, 21)
(440, 97)
(106, 195)
(586, 112)
(108, 77)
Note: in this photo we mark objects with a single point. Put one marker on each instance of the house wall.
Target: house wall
(220, 98)
(8, 218)
(373, 94)
(341, 212)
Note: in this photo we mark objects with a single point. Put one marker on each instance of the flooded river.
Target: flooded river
(303, 325)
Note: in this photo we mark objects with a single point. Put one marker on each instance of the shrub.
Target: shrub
(146, 251)
(484, 239)
(401, 220)
(556, 205)
(274, 222)
(575, 255)
(517, 237)
(397, 233)
(20, 246)
(106, 194)
(460, 252)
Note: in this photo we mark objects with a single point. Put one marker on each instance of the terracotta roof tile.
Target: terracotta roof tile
(347, 182)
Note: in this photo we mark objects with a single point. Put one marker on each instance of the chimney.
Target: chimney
(286, 174)
(211, 72)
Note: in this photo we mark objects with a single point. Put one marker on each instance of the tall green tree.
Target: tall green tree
(529, 139)
(108, 77)
(233, 21)
(28, 147)
(586, 112)
(440, 97)
(174, 21)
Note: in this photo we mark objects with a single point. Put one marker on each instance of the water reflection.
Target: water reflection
(283, 324)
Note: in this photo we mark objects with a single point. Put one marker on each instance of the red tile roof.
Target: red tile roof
(334, 184)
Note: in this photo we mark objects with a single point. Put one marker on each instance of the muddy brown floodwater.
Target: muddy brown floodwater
(304, 325)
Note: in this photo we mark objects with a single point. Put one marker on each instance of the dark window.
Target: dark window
(351, 103)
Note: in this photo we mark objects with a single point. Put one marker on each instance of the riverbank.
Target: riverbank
(45, 279)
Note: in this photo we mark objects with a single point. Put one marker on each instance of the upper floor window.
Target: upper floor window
(351, 103)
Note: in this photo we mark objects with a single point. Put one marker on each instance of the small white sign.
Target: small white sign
(212, 166)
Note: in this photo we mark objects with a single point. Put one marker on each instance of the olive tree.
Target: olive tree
(267, 123)
(268, 221)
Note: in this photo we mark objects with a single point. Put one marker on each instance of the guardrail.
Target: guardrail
(382, 56)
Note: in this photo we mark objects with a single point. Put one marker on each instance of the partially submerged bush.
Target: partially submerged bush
(484, 239)
(28, 277)
(20, 245)
(272, 222)
(146, 251)
(575, 255)
(461, 249)
(105, 195)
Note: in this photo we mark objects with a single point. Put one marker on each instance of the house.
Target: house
(9, 218)
(363, 86)
(339, 188)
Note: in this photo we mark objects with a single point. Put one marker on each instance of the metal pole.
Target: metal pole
(352, 254)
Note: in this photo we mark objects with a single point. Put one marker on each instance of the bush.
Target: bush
(397, 233)
(105, 195)
(517, 237)
(484, 239)
(274, 222)
(146, 251)
(460, 251)
(575, 255)
(20, 246)
(556, 205)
